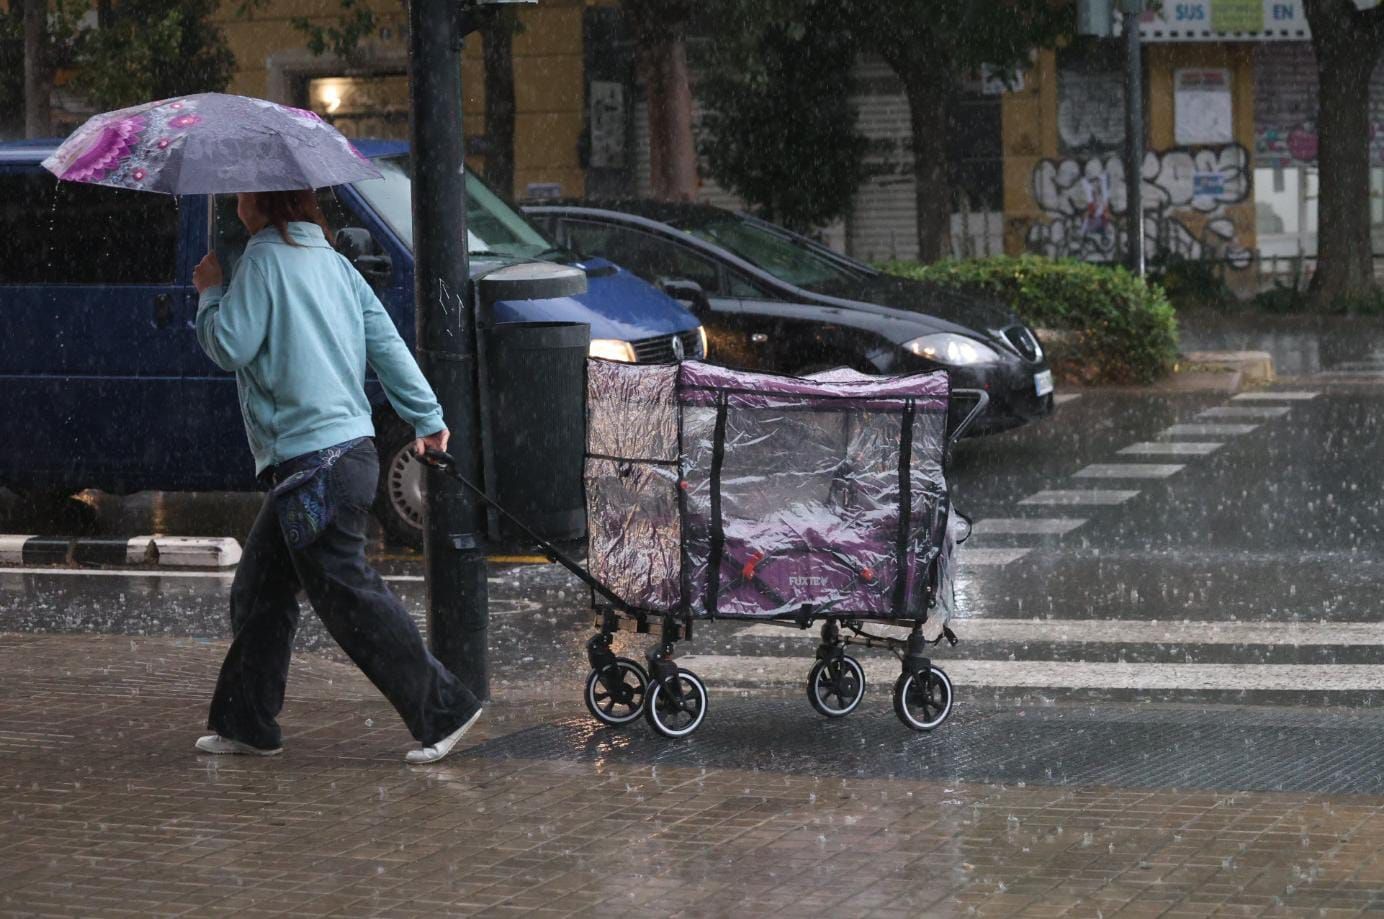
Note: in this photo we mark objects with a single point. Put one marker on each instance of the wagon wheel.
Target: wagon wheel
(615, 694)
(836, 686)
(677, 717)
(923, 701)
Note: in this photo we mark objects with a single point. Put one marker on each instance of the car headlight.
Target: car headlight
(706, 344)
(949, 348)
(612, 349)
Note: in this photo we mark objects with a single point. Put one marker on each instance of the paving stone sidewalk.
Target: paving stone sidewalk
(106, 810)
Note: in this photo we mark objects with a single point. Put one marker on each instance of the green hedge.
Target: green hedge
(1113, 327)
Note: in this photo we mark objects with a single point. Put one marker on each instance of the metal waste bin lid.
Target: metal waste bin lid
(532, 281)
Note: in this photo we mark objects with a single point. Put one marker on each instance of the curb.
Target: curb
(165, 551)
(1254, 367)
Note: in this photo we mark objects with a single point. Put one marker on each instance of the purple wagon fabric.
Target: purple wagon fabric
(809, 481)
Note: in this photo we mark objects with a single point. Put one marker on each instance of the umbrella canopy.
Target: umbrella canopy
(209, 143)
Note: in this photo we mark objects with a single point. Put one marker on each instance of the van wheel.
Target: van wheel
(399, 495)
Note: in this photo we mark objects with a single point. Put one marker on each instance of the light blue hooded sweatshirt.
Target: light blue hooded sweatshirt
(298, 325)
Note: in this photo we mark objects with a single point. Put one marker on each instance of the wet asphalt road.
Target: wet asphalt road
(1203, 566)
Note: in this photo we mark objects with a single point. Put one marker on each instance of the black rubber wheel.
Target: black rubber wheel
(399, 494)
(923, 705)
(671, 718)
(835, 687)
(616, 694)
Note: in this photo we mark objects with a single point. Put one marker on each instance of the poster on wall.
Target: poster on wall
(1237, 15)
(1202, 110)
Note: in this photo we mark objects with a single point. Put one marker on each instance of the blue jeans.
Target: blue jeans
(353, 602)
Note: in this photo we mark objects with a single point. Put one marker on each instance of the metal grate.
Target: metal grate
(1024, 342)
(660, 350)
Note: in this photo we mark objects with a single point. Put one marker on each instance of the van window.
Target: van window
(71, 233)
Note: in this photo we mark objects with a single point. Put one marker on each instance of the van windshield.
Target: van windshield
(492, 226)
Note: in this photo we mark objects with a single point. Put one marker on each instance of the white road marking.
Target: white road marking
(979, 556)
(1063, 398)
(1173, 448)
(1136, 632)
(882, 671)
(1246, 411)
(1128, 471)
(1026, 526)
(1202, 430)
(1096, 496)
(1296, 395)
(152, 573)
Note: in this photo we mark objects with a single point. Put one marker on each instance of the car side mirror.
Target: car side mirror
(687, 292)
(364, 253)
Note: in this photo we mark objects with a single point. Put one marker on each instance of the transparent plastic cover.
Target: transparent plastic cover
(714, 492)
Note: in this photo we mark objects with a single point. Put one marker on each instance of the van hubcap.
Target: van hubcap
(405, 484)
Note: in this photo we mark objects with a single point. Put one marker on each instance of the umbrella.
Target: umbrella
(209, 143)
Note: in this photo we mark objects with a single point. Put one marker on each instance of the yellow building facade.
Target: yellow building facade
(1064, 177)
(367, 96)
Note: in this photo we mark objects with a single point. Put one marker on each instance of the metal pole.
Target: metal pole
(458, 611)
(1134, 135)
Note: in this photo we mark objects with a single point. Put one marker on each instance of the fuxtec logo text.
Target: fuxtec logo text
(807, 581)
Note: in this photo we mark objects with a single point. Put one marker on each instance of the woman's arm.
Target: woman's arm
(231, 323)
(404, 384)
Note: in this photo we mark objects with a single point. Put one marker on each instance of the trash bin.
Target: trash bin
(535, 427)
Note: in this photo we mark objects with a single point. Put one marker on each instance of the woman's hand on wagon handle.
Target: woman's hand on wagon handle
(436, 442)
(207, 273)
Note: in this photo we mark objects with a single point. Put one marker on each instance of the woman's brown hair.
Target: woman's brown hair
(279, 208)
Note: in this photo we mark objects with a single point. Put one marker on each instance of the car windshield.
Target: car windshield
(492, 226)
(781, 256)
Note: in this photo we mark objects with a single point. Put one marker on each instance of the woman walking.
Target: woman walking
(298, 325)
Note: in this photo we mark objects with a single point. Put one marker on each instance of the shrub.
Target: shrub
(1111, 326)
(1191, 283)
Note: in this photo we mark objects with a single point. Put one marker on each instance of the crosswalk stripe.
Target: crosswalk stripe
(1026, 526)
(1204, 429)
(1094, 496)
(1136, 632)
(978, 556)
(882, 671)
(1245, 411)
(1292, 395)
(1173, 448)
(1128, 471)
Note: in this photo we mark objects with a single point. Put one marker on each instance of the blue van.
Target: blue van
(105, 386)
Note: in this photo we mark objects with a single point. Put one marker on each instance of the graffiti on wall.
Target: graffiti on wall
(1084, 199)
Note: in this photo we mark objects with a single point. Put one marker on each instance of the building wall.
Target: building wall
(273, 63)
(1064, 187)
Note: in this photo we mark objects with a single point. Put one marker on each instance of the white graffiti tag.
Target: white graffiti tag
(1204, 181)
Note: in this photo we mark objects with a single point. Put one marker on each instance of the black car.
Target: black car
(773, 300)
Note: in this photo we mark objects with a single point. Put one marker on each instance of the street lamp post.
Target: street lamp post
(458, 613)
(1134, 134)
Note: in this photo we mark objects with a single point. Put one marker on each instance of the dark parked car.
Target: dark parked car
(773, 300)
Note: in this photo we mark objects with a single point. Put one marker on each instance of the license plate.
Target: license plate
(1042, 382)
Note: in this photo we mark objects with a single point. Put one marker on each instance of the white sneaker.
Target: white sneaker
(216, 744)
(432, 754)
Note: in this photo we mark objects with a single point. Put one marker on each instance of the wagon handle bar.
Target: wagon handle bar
(982, 403)
(448, 464)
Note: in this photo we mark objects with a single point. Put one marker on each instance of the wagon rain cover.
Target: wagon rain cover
(714, 492)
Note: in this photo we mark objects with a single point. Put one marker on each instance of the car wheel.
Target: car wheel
(399, 494)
